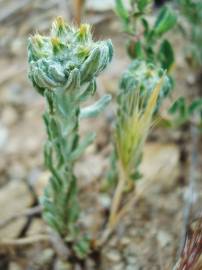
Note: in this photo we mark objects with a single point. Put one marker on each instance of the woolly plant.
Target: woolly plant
(63, 68)
(142, 89)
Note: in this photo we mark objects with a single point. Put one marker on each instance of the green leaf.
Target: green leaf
(96, 108)
(73, 81)
(122, 12)
(53, 127)
(63, 103)
(165, 21)
(85, 142)
(180, 109)
(142, 4)
(82, 247)
(55, 184)
(163, 122)
(138, 50)
(145, 25)
(67, 202)
(51, 220)
(136, 176)
(196, 105)
(89, 90)
(166, 55)
(178, 106)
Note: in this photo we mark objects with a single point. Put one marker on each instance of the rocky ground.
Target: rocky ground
(148, 238)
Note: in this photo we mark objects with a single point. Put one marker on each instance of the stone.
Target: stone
(9, 116)
(14, 198)
(163, 238)
(3, 137)
(59, 265)
(160, 163)
(90, 168)
(14, 266)
(125, 241)
(105, 201)
(119, 266)
(113, 256)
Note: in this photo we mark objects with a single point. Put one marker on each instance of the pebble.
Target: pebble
(14, 266)
(3, 136)
(59, 265)
(105, 201)
(163, 238)
(14, 95)
(133, 267)
(113, 256)
(14, 198)
(119, 266)
(125, 241)
(191, 79)
(9, 116)
(17, 171)
(45, 257)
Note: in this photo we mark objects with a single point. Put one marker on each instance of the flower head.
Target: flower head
(55, 59)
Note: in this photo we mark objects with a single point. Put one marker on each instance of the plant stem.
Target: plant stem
(117, 196)
(79, 6)
(62, 141)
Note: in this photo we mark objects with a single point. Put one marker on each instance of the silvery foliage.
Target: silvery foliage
(63, 68)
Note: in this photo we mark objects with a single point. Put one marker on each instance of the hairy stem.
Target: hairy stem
(62, 141)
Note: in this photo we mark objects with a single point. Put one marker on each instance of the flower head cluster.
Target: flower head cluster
(67, 58)
(144, 77)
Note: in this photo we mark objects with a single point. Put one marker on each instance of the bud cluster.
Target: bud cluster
(144, 77)
(66, 59)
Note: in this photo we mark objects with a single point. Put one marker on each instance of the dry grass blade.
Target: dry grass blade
(132, 136)
(191, 257)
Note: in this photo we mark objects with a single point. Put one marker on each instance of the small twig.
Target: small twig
(59, 245)
(23, 242)
(79, 6)
(27, 212)
(191, 254)
(135, 197)
(117, 197)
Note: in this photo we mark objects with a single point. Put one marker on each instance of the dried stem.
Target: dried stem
(191, 254)
(139, 192)
(117, 196)
(79, 6)
(12, 243)
(27, 212)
